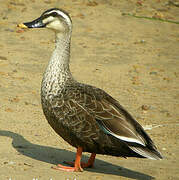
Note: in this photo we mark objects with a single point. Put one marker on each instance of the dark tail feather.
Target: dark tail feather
(147, 153)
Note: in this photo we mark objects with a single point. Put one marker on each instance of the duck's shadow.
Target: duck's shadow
(53, 156)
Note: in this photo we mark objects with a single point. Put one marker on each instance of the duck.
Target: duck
(85, 116)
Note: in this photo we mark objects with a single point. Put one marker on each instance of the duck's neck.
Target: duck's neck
(58, 72)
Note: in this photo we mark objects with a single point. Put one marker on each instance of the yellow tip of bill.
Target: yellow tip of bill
(23, 26)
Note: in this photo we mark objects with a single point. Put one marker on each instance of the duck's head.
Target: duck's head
(55, 19)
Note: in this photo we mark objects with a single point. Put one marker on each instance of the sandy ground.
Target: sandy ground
(133, 59)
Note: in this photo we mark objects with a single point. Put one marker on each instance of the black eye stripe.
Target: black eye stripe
(54, 14)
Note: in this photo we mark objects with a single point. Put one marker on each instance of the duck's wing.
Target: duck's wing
(116, 121)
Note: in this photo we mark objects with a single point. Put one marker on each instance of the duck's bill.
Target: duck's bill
(37, 23)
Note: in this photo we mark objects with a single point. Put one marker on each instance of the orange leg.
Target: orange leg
(77, 165)
(89, 164)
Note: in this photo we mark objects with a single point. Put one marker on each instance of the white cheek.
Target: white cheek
(57, 25)
(49, 19)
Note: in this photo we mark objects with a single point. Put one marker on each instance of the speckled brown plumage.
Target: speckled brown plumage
(76, 112)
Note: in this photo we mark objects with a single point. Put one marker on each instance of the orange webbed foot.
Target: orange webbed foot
(67, 168)
(77, 165)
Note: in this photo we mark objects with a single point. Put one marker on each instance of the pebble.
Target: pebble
(15, 100)
(26, 164)
(140, 41)
(10, 162)
(153, 73)
(145, 107)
